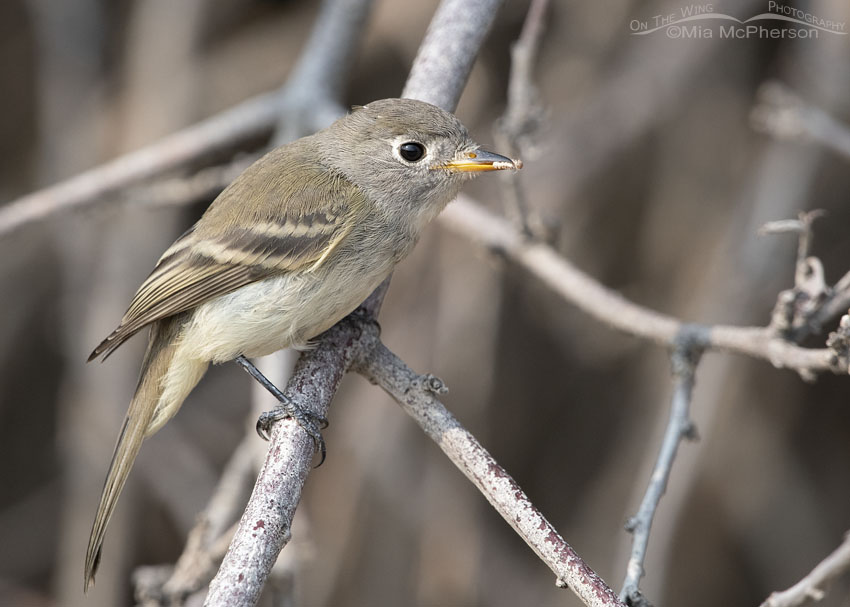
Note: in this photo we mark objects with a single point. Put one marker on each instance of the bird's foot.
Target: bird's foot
(311, 422)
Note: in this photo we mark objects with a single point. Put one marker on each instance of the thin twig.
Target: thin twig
(196, 565)
(226, 130)
(416, 394)
(811, 586)
(496, 234)
(311, 95)
(523, 113)
(783, 114)
(685, 358)
(837, 303)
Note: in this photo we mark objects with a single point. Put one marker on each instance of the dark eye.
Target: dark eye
(411, 151)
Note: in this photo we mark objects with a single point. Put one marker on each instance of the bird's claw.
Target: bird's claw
(312, 424)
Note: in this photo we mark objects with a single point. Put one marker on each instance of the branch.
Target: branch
(446, 56)
(609, 307)
(523, 114)
(265, 525)
(685, 359)
(312, 93)
(783, 114)
(249, 119)
(203, 551)
(416, 394)
(315, 84)
(809, 588)
(837, 303)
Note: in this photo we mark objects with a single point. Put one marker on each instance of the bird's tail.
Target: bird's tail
(164, 382)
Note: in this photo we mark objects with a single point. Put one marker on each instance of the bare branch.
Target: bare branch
(685, 359)
(416, 394)
(200, 557)
(226, 130)
(523, 113)
(266, 523)
(206, 184)
(837, 303)
(448, 52)
(311, 94)
(492, 232)
(810, 587)
(783, 114)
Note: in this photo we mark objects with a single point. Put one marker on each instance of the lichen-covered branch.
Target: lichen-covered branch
(417, 395)
(265, 525)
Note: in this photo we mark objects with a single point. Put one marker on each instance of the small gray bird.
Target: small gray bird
(289, 248)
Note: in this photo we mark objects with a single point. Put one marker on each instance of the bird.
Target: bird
(289, 248)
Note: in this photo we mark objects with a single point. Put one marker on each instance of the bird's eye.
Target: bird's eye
(411, 151)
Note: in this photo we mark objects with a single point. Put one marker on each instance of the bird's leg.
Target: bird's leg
(311, 422)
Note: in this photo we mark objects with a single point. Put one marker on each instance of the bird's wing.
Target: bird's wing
(235, 244)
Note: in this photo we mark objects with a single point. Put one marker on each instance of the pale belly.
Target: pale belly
(280, 312)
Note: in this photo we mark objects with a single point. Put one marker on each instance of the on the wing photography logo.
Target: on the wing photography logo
(701, 21)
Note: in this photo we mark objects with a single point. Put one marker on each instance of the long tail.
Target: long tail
(164, 383)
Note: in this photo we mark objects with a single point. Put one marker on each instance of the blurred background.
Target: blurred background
(647, 173)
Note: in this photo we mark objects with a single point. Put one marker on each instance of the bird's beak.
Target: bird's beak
(480, 160)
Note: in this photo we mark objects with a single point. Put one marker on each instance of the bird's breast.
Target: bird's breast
(285, 310)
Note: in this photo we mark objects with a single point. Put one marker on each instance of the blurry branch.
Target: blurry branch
(524, 113)
(446, 55)
(809, 588)
(685, 358)
(782, 113)
(417, 396)
(314, 85)
(629, 99)
(208, 540)
(204, 185)
(226, 130)
(311, 95)
(474, 222)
